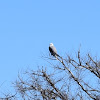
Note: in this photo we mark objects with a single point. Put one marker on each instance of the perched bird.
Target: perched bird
(53, 50)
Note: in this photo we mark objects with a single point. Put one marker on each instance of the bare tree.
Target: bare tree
(9, 97)
(70, 78)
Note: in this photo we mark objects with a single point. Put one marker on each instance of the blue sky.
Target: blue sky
(28, 26)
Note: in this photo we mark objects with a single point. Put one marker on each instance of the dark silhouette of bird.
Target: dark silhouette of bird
(53, 50)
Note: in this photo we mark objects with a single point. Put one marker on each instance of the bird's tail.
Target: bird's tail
(58, 56)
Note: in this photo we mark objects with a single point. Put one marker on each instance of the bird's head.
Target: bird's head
(51, 44)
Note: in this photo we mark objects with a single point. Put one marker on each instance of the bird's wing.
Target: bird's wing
(52, 50)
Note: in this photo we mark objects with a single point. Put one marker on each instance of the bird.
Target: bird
(53, 50)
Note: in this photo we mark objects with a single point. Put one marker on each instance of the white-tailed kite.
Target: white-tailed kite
(53, 50)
